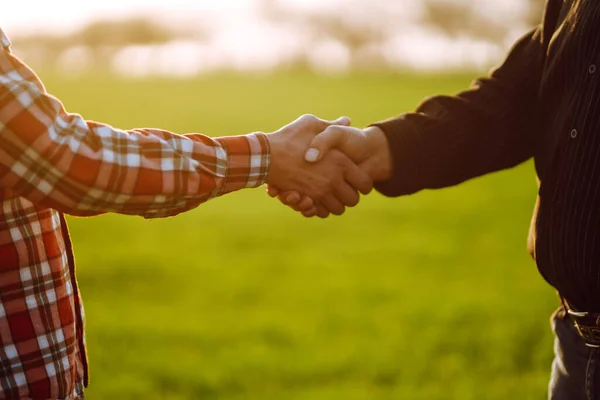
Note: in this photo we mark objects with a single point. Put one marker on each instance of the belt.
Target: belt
(587, 324)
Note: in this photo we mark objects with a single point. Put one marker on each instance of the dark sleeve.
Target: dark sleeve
(450, 139)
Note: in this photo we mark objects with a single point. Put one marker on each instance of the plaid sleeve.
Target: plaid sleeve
(61, 161)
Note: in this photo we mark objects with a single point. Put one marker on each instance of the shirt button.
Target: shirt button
(574, 133)
(592, 69)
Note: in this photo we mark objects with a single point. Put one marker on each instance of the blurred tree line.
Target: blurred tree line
(461, 18)
(101, 39)
(361, 27)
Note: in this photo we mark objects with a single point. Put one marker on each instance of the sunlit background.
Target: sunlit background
(179, 37)
(432, 296)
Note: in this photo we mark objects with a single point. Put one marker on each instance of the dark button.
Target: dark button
(592, 69)
(574, 133)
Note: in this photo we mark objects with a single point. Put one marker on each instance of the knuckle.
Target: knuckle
(331, 130)
(308, 118)
(332, 183)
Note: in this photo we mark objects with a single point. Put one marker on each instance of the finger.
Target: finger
(332, 137)
(344, 121)
(310, 213)
(358, 179)
(333, 205)
(324, 123)
(305, 204)
(319, 124)
(347, 195)
(273, 191)
(322, 211)
(290, 198)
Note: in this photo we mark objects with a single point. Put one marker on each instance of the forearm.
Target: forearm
(148, 173)
(450, 139)
(61, 161)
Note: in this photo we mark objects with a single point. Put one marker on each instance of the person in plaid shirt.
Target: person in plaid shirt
(54, 163)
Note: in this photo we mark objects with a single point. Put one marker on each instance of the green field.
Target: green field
(431, 296)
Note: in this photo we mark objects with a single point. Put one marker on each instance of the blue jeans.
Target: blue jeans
(576, 367)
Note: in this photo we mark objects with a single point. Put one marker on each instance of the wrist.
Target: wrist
(282, 150)
(274, 155)
(380, 162)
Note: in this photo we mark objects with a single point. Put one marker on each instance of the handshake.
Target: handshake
(319, 167)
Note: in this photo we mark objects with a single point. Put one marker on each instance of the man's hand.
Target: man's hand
(332, 184)
(368, 148)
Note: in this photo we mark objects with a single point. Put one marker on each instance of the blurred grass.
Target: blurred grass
(432, 296)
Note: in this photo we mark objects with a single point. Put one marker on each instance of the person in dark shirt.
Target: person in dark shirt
(542, 102)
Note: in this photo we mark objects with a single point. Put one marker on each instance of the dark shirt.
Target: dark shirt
(543, 102)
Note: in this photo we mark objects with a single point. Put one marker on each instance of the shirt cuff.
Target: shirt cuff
(404, 144)
(4, 41)
(248, 158)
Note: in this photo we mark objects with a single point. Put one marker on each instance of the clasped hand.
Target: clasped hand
(320, 167)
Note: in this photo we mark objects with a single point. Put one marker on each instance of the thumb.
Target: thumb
(322, 143)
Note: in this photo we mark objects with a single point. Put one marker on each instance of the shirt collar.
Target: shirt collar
(4, 42)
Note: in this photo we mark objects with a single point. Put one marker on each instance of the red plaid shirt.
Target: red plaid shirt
(53, 162)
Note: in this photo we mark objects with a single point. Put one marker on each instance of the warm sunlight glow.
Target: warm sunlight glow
(242, 36)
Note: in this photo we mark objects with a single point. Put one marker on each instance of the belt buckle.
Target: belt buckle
(590, 334)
